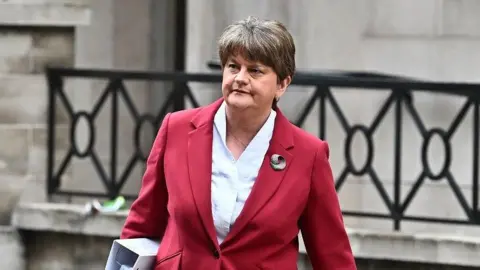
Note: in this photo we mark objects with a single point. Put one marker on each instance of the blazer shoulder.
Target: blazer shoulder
(183, 117)
(309, 142)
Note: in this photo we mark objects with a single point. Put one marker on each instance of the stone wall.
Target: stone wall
(366, 264)
(60, 251)
(60, 237)
(33, 35)
(113, 41)
(63, 251)
(12, 249)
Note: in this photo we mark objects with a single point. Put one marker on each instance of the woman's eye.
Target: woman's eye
(232, 66)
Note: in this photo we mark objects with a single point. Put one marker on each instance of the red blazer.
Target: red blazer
(174, 203)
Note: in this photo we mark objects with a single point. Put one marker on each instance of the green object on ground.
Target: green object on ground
(117, 203)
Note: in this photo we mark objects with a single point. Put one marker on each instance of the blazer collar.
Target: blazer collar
(282, 132)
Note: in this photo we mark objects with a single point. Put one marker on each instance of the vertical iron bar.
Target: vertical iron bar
(180, 51)
(113, 192)
(180, 34)
(178, 96)
(398, 161)
(476, 145)
(54, 83)
(321, 95)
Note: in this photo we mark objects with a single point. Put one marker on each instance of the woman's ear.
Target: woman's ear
(282, 86)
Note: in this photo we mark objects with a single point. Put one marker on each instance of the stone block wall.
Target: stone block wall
(27, 50)
(366, 264)
(24, 53)
(64, 251)
(33, 35)
(12, 249)
(59, 236)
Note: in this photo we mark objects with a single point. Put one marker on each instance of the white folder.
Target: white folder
(132, 254)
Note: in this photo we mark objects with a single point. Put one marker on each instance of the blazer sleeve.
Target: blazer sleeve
(321, 224)
(148, 214)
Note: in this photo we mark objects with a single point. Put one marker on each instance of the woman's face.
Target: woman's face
(250, 85)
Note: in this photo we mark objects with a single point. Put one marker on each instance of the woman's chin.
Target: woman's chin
(239, 102)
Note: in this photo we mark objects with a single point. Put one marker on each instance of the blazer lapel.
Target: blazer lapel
(268, 179)
(200, 165)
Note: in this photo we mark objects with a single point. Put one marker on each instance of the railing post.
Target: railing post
(114, 138)
(55, 82)
(397, 185)
(178, 96)
(180, 47)
(476, 146)
(321, 93)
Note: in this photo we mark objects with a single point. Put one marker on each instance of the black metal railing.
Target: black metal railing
(400, 99)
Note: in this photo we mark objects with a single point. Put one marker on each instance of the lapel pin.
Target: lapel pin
(278, 162)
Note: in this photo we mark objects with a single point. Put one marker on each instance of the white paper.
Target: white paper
(132, 254)
(141, 246)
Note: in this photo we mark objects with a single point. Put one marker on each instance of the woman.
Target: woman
(229, 185)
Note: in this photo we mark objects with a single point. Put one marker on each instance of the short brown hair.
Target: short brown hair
(265, 41)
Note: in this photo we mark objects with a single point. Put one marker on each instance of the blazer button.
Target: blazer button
(216, 254)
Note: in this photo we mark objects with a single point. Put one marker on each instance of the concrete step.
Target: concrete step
(438, 249)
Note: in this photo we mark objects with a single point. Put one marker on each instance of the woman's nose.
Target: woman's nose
(242, 76)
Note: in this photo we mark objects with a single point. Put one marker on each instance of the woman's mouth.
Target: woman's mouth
(240, 91)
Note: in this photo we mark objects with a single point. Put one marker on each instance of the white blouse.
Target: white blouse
(233, 180)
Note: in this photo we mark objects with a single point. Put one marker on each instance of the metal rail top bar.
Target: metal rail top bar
(371, 74)
(313, 79)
